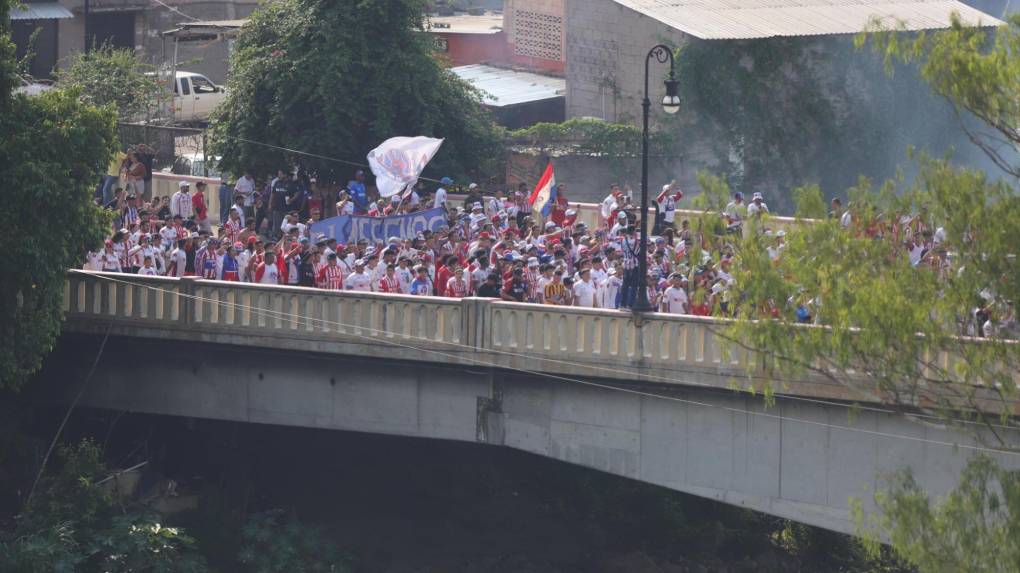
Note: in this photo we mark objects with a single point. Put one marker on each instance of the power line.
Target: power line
(480, 362)
(610, 370)
(176, 11)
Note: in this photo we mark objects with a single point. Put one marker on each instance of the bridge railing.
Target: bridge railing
(471, 331)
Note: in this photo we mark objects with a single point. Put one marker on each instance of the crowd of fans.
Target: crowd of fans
(492, 246)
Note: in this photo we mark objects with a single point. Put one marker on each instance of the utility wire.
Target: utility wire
(67, 415)
(479, 362)
(625, 373)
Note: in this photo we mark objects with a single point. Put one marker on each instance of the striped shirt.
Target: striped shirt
(331, 278)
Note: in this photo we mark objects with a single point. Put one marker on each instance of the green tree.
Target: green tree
(974, 528)
(336, 79)
(53, 148)
(109, 75)
(275, 541)
(900, 333)
(72, 525)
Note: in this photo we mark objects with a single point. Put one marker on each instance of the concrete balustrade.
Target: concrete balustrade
(568, 341)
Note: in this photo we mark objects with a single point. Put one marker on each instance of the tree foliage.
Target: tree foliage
(109, 75)
(338, 78)
(974, 528)
(976, 71)
(73, 526)
(53, 148)
(276, 541)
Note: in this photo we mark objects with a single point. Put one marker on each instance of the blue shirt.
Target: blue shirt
(358, 194)
(420, 287)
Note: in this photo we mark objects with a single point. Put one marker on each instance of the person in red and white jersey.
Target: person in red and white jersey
(233, 226)
(330, 277)
(456, 286)
(267, 273)
(390, 283)
(359, 280)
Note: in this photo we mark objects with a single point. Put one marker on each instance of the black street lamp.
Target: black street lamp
(671, 105)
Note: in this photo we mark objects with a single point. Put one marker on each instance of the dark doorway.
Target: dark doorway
(115, 28)
(44, 46)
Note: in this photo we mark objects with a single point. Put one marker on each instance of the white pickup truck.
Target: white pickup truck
(195, 96)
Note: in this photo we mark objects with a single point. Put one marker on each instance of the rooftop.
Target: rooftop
(747, 19)
(488, 23)
(504, 87)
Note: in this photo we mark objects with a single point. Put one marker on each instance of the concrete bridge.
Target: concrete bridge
(653, 402)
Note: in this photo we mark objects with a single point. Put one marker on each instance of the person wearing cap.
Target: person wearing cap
(199, 208)
(359, 280)
(533, 278)
(180, 203)
(674, 298)
(619, 226)
(757, 206)
(609, 289)
(776, 250)
(439, 198)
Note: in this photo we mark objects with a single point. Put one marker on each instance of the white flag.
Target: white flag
(399, 161)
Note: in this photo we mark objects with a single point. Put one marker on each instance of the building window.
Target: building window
(538, 35)
(441, 44)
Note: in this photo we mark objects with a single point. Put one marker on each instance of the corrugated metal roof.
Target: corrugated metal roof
(508, 87)
(746, 19)
(40, 11)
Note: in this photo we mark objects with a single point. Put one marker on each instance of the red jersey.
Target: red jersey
(456, 288)
(331, 278)
(390, 285)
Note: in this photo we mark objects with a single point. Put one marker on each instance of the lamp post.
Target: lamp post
(671, 105)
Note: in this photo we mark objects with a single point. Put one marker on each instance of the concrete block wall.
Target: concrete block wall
(606, 49)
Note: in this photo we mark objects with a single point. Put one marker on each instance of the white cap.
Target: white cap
(359, 263)
(781, 233)
(550, 225)
(621, 215)
(473, 186)
(757, 195)
(183, 184)
(476, 206)
(571, 212)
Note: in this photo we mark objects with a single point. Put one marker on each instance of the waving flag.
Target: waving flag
(398, 162)
(544, 195)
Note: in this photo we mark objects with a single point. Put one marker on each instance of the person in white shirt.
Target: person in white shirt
(359, 280)
(496, 205)
(584, 291)
(674, 299)
(180, 203)
(405, 276)
(268, 272)
(598, 271)
(245, 187)
(610, 203)
(290, 221)
(147, 270)
(609, 289)
(178, 260)
(757, 206)
(439, 199)
(667, 203)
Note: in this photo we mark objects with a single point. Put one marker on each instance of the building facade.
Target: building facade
(134, 24)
